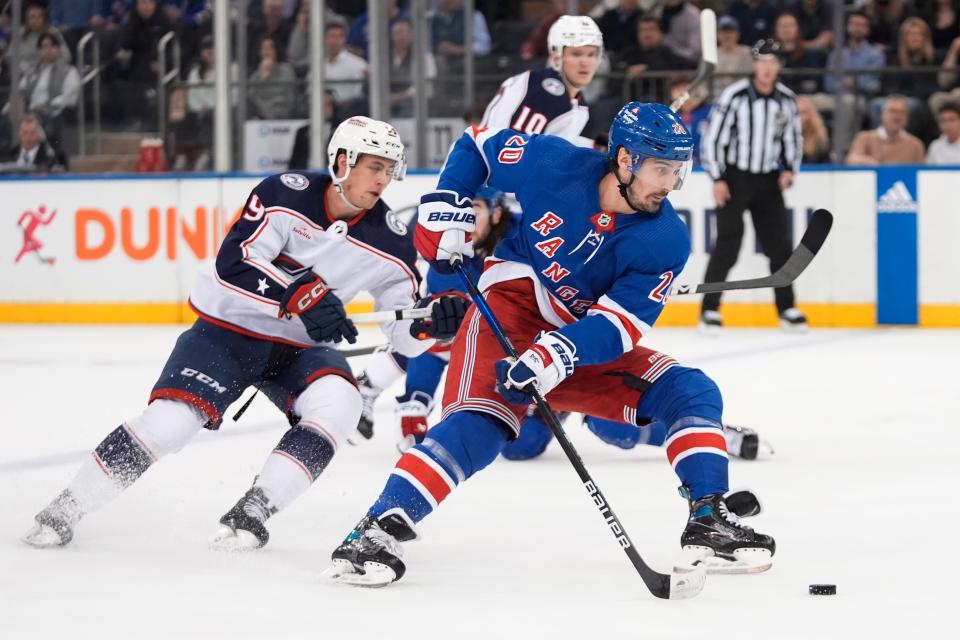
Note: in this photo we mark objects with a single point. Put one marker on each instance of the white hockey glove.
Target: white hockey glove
(445, 226)
(548, 362)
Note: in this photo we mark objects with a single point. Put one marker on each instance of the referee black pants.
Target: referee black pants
(760, 193)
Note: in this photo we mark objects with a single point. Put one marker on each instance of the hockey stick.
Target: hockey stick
(813, 238)
(366, 351)
(672, 586)
(708, 52)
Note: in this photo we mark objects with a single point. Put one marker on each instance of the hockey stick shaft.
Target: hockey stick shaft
(708, 53)
(659, 584)
(821, 221)
(394, 314)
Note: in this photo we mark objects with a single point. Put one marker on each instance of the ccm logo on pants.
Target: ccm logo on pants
(204, 378)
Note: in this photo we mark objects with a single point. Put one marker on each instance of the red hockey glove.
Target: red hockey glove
(319, 309)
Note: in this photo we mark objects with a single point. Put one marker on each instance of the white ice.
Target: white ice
(861, 493)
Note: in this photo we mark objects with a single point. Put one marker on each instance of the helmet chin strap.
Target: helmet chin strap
(339, 188)
(624, 186)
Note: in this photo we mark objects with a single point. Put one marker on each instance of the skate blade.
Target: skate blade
(230, 541)
(745, 561)
(42, 536)
(374, 575)
(687, 584)
(787, 327)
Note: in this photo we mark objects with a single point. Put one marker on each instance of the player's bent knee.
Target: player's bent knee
(534, 437)
(165, 426)
(330, 405)
(472, 439)
(683, 392)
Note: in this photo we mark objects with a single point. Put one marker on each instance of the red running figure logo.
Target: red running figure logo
(29, 222)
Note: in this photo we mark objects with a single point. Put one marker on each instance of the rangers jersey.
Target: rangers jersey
(285, 231)
(537, 101)
(602, 277)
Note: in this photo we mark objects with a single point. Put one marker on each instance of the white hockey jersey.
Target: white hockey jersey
(285, 231)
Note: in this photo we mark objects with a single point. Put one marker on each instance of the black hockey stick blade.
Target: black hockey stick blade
(813, 238)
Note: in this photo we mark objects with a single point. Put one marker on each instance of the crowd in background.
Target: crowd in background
(907, 49)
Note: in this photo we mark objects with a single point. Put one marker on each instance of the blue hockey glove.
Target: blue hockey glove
(548, 362)
(446, 313)
(319, 309)
(445, 226)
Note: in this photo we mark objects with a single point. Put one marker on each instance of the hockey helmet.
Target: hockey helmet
(651, 130)
(572, 31)
(362, 135)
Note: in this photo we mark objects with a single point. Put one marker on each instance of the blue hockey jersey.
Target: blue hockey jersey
(601, 276)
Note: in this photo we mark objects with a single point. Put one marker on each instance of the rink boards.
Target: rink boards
(125, 248)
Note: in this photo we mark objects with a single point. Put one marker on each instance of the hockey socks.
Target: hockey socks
(299, 459)
(459, 446)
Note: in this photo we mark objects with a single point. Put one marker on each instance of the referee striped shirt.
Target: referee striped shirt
(753, 132)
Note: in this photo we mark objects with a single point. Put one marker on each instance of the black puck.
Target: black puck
(823, 589)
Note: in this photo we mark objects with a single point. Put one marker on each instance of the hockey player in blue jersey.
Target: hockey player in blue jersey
(270, 310)
(577, 283)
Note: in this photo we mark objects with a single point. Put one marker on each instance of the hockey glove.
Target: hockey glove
(319, 309)
(445, 226)
(413, 414)
(446, 313)
(548, 362)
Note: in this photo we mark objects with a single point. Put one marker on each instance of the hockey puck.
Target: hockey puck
(823, 589)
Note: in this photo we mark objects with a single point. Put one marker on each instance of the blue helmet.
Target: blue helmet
(650, 130)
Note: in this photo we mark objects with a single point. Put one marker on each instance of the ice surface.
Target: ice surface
(861, 493)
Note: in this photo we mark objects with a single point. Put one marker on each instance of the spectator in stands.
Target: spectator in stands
(137, 59)
(536, 45)
(75, 17)
(449, 35)
(650, 54)
(947, 79)
(680, 23)
(732, 57)
(358, 39)
(941, 15)
(816, 139)
(815, 18)
(796, 56)
(401, 70)
(618, 25)
(695, 112)
(33, 152)
(914, 50)
(946, 148)
(300, 156)
(193, 131)
(51, 87)
(890, 143)
(35, 24)
(755, 17)
(345, 71)
(885, 17)
(192, 20)
(271, 89)
(272, 24)
(298, 50)
(857, 53)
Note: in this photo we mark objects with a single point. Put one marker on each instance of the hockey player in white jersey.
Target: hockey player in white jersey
(270, 310)
(550, 100)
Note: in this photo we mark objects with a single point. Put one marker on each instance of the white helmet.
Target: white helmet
(572, 31)
(362, 135)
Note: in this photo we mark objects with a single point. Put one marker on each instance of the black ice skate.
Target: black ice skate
(715, 538)
(54, 525)
(368, 395)
(745, 443)
(370, 555)
(241, 528)
(793, 320)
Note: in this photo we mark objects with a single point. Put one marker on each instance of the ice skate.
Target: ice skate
(369, 395)
(710, 323)
(241, 528)
(53, 527)
(745, 443)
(715, 538)
(793, 320)
(370, 555)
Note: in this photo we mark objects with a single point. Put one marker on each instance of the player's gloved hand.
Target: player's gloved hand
(446, 313)
(548, 362)
(319, 309)
(445, 226)
(413, 411)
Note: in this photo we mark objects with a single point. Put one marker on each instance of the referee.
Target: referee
(752, 151)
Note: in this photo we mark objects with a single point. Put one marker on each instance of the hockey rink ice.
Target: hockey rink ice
(861, 493)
